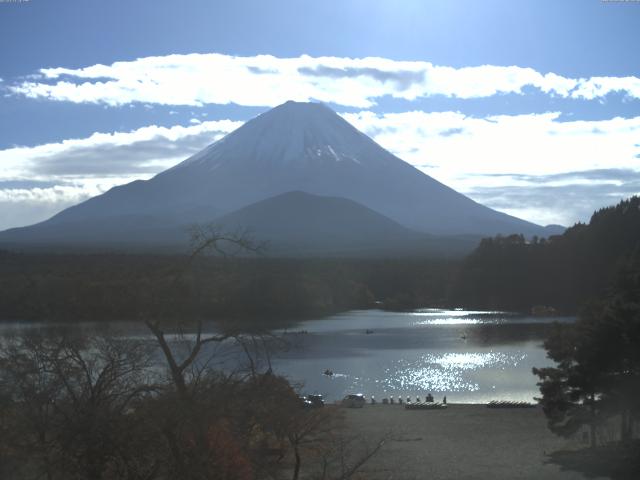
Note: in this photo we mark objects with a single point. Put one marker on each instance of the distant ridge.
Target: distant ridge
(298, 223)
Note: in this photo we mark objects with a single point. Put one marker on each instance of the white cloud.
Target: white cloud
(76, 169)
(265, 80)
(25, 206)
(55, 194)
(150, 148)
(600, 86)
(533, 166)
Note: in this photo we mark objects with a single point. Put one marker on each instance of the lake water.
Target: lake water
(471, 357)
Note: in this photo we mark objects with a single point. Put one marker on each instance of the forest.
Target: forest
(241, 290)
(509, 273)
(562, 272)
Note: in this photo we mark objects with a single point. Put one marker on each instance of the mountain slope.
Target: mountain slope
(298, 222)
(291, 224)
(294, 147)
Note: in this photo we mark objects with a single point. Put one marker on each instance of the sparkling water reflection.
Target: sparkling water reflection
(470, 356)
(444, 373)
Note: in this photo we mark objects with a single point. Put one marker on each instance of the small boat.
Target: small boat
(328, 373)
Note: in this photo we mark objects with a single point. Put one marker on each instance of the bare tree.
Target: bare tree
(205, 239)
(226, 425)
(73, 399)
(195, 424)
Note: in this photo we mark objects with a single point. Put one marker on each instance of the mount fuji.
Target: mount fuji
(341, 178)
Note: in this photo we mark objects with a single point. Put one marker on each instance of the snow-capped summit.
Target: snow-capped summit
(303, 147)
(292, 133)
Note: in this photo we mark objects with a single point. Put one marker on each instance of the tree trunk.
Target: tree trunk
(174, 369)
(178, 460)
(296, 470)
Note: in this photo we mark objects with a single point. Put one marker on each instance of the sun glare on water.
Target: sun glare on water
(445, 372)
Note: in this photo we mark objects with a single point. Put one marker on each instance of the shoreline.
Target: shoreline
(463, 441)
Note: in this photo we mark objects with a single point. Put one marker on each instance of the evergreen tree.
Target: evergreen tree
(598, 371)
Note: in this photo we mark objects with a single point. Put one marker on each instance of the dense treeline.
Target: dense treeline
(505, 272)
(563, 272)
(117, 286)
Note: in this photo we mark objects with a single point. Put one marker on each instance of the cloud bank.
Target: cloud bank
(532, 166)
(37, 182)
(265, 80)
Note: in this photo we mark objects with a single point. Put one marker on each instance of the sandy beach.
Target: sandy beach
(461, 442)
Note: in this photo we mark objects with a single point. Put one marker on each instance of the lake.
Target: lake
(469, 356)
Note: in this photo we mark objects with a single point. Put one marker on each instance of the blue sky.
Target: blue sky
(532, 108)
